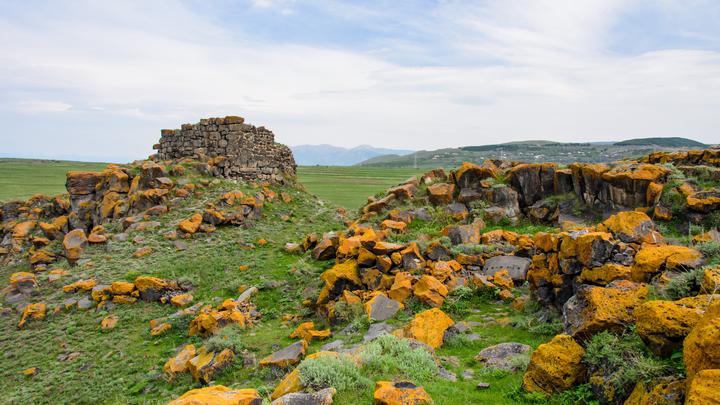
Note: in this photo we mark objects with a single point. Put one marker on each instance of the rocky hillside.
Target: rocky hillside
(501, 282)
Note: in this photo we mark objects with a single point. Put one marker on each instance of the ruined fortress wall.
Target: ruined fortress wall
(249, 152)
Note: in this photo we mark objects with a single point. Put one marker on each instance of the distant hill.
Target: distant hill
(534, 151)
(675, 142)
(328, 155)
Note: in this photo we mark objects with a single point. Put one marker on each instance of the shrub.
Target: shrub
(228, 337)
(711, 250)
(345, 312)
(684, 284)
(328, 371)
(623, 361)
(389, 355)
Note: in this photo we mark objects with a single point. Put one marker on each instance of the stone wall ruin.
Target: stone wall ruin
(236, 149)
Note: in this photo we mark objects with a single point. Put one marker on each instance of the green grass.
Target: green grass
(349, 187)
(23, 178)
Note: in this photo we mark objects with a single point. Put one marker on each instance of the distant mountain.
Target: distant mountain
(328, 155)
(675, 142)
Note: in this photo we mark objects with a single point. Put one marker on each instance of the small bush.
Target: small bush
(228, 337)
(711, 250)
(389, 355)
(684, 285)
(328, 371)
(623, 361)
(345, 312)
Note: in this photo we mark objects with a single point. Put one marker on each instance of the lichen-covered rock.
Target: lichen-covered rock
(429, 327)
(219, 395)
(152, 288)
(82, 285)
(401, 287)
(32, 312)
(605, 274)
(400, 393)
(191, 225)
(324, 250)
(555, 366)
(701, 350)
(291, 382)
(308, 332)
(338, 278)
(704, 388)
(631, 226)
(441, 193)
(322, 397)
(121, 287)
(73, 244)
(665, 391)
(711, 281)
(652, 259)
(501, 356)
(593, 249)
(206, 363)
(109, 322)
(23, 282)
(430, 291)
(181, 300)
(465, 234)
(663, 325)
(286, 357)
(179, 363)
(594, 309)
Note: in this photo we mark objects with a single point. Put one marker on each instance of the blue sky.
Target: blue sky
(96, 80)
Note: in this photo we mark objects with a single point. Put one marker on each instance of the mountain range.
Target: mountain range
(329, 155)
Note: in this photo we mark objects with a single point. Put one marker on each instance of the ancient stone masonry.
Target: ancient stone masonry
(239, 150)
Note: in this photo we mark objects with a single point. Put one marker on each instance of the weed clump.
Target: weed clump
(228, 337)
(329, 371)
(389, 355)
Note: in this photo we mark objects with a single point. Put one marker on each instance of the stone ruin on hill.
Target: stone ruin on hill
(237, 149)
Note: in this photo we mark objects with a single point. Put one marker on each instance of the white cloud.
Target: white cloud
(550, 76)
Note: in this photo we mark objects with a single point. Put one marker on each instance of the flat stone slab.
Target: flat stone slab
(376, 330)
(516, 266)
(382, 308)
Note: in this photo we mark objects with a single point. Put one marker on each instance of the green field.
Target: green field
(350, 186)
(23, 178)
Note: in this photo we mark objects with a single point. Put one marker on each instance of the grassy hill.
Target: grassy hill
(525, 151)
(674, 142)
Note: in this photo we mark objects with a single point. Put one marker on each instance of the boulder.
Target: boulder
(286, 357)
(465, 234)
(307, 331)
(391, 225)
(516, 266)
(324, 250)
(338, 278)
(219, 395)
(401, 287)
(191, 225)
(322, 397)
(180, 362)
(652, 259)
(663, 325)
(429, 327)
(700, 348)
(555, 366)
(441, 193)
(704, 389)
(23, 282)
(544, 212)
(631, 226)
(666, 391)
(593, 249)
(73, 244)
(533, 181)
(502, 356)
(430, 291)
(711, 281)
(469, 175)
(400, 393)
(381, 308)
(32, 312)
(594, 309)
(82, 285)
(605, 274)
(81, 182)
(206, 364)
(109, 322)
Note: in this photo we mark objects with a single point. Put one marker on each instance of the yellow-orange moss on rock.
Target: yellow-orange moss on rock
(651, 259)
(291, 382)
(631, 226)
(594, 309)
(429, 327)
(704, 388)
(336, 278)
(400, 393)
(430, 291)
(35, 312)
(711, 281)
(605, 274)
(206, 363)
(219, 395)
(701, 350)
(665, 391)
(555, 366)
(663, 325)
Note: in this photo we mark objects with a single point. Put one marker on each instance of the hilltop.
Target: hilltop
(533, 152)
(200, 277)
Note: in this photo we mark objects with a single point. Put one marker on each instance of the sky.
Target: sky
(97, 80)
